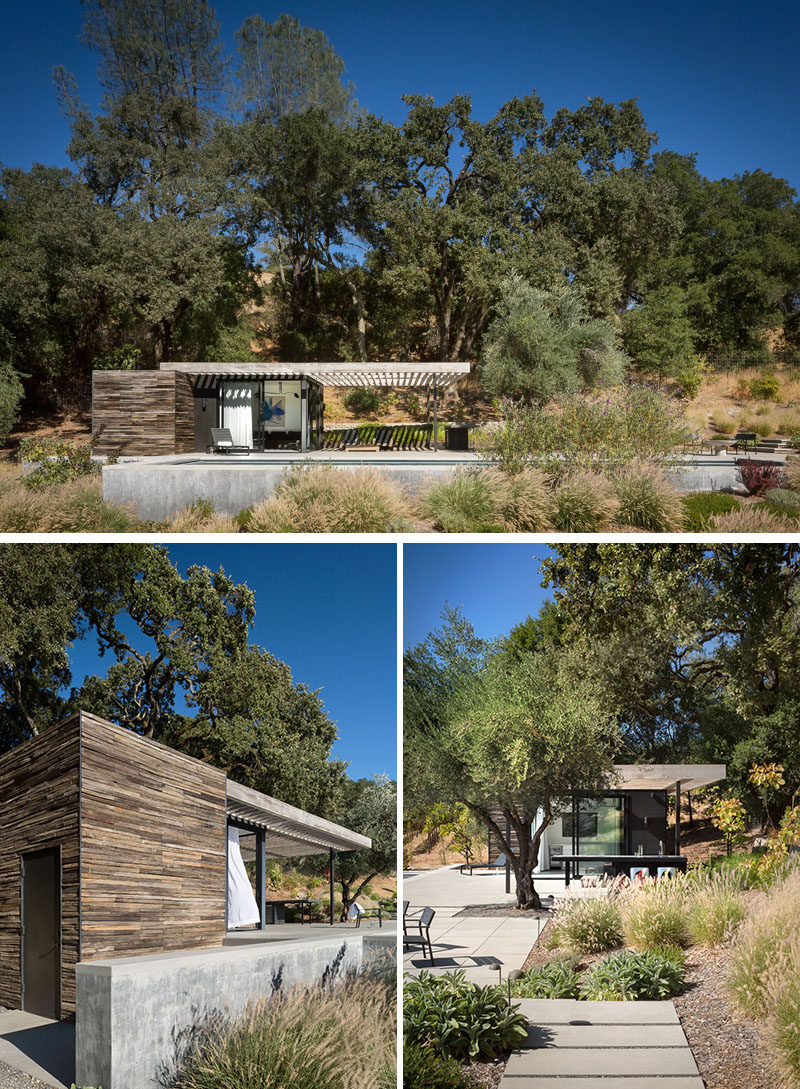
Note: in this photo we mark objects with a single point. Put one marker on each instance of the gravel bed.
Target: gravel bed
(728, 1050)
(485, 1075)
(15, 1079)
(482, 911)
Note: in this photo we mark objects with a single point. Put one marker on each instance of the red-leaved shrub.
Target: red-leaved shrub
(759, 476)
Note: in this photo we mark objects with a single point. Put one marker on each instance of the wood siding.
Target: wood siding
(153, 843)
(495, 846)
(184, 415)
(137, 411)
(39, 808)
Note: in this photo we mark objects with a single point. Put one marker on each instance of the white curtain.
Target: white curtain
(239, 400)
(242, 906)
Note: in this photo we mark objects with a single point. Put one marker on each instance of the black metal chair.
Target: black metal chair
(222, 442)
(423, 935)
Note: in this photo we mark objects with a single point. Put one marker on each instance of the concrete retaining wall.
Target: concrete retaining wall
(137, 1017)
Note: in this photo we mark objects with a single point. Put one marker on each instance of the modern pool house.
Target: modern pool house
(624, 829)
(133, 894)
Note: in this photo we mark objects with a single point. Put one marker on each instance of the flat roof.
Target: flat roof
(667, 776)
(406, 374)
(290, 831)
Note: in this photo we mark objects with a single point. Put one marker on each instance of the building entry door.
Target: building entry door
(41, 932)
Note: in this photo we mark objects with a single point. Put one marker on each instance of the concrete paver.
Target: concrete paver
(601, 1045)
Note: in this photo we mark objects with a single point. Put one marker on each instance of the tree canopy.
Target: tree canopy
(182, 668)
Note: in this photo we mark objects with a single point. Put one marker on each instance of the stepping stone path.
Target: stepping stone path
(601, 1045)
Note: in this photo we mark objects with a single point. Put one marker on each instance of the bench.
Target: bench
(745, 440)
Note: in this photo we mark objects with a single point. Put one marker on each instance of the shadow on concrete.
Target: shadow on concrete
(45, 1051)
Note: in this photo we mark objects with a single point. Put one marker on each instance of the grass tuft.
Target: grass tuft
(583, 503)
(646, 499)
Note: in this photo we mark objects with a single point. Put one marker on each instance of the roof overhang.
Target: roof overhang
(406, 375)
(668, 776)
(290, 831)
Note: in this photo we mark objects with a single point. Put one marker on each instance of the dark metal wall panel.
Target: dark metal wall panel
(137, 410)
(153, 846)
(39, 810)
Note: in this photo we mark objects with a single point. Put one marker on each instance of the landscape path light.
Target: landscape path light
(513, 975)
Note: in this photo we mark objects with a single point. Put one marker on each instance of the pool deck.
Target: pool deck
(158, 487)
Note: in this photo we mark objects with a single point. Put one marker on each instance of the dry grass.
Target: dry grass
(654, 915)
(321, 499)
(752, 518)
(584, 503)
(489, 501)
(324, 1039)
(726, 395)
(647, 500)
(76, 507)
(199, 518)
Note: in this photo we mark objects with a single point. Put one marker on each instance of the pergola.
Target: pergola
(432, 377)
(283, 831)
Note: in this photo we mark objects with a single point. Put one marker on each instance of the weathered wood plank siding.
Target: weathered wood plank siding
(137, 410)
(153, 842)
(495, 846)
(39, 808)
(184, 415)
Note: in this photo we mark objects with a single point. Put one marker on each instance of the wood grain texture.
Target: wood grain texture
(153, 840)
(184, 415)
(137, 411)
(39, 792)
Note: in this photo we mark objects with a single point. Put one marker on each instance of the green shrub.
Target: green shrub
(362, 401)
(458, 1019)
(341, 1038)
(646, 499)
(766, 387)
(59, 461)
(699, 509)
(322, 499)
(689, 377)
(583, 503)
(654, 915)
(424, 1069)
(783, 501)
(11, 393)
(716, 910)
(590, 926)
(556, 979)
(635, 423)
(628, 976)
(127, 358)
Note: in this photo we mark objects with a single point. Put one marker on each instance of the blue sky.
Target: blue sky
(496, 584)
(717, 78)
(327, 610)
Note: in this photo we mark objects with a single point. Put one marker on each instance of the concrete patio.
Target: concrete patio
(38, 1047)
(473, 943)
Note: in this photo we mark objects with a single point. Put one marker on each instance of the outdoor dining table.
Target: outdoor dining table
(623, 863)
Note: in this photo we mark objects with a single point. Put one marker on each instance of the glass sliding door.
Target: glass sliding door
(240, 411)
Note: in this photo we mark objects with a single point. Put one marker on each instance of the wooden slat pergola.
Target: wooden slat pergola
(284, 831)
(432, 377)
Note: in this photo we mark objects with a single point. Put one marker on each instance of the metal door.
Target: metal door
(41, 932)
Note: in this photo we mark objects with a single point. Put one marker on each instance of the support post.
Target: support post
(678, 817)
(508, 852)
(304, 415)
(261, 877)
(332, 883)
(435, 416)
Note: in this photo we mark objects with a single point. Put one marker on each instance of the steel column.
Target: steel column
(678, 817)
(332, 883)
(435, 415)
(304, 415)
(261, 876)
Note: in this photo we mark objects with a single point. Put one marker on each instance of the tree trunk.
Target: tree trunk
(361, 321)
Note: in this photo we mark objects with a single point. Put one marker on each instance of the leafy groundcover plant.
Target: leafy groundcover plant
(631, 976)
(460, 1020)
(424, 1069)
(556, 979)
(699, 509)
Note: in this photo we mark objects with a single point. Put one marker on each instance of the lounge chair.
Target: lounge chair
(423, 934)
(498, 864)
(222, 442)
